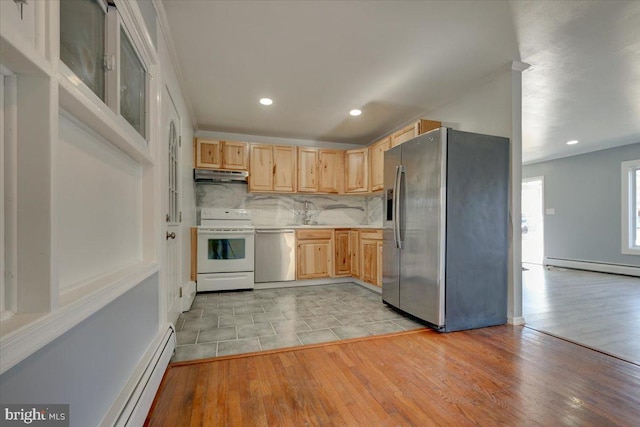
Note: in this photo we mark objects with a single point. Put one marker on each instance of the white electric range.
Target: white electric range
(225, 250)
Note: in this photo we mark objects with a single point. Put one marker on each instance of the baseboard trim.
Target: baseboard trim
(602, 267)
(134, 401)
(315, 282)
(306, 282)
(516, 321)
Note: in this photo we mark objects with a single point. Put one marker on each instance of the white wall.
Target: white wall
(102, 202)
(274, 140)
(88, 366)
(486, 108)
(98, 195)
(585, 192)
(494, 107)
(188, 198)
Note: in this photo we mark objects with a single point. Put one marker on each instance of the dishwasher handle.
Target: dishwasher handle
(277, 231)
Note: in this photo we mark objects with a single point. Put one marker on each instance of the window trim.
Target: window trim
(115, 25)
(628, 207)
(4, 312)
(105, 8)
(118, 20)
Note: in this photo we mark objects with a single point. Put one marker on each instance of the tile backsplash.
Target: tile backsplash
(286, 210)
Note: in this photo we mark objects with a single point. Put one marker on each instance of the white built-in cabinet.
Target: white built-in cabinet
(83, 181)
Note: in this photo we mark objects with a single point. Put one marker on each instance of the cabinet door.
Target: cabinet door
(379, 245)
(284, 169)
(354, 252)
(357, 174)
(261, 168)
(235, 155)
(342, 261)
(427, 125)
(313, 259)
(405, 134)
(369, 260)
(330, 171)
(376, 163)
(307, 170)
(208, 153)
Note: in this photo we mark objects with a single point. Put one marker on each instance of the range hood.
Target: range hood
(219, 175)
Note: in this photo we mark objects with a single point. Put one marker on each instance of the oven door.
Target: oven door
(223, 251)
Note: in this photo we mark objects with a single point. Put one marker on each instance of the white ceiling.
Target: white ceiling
(396, 60)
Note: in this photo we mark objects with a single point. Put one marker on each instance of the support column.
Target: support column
(514, 308)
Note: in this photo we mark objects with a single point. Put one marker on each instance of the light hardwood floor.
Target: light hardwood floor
(504, 375)
(598, 310)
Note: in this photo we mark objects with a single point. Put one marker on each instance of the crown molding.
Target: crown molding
(519, 66)
(173, 57)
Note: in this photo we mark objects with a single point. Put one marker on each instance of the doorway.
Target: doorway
(533, 220)
(172, 274)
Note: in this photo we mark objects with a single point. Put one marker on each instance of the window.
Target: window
(82, 41)
(173, 172)
(96, 47)
(133, 80)
(631, 207)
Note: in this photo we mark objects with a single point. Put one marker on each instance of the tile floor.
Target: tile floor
(226, 323)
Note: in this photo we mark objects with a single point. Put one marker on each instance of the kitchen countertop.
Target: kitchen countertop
(330, 226)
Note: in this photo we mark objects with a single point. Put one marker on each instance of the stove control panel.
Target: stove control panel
(225, 214)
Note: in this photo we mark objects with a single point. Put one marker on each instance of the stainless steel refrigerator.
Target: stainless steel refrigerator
(445, 254)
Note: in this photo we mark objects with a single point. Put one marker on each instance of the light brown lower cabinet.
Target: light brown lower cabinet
(325, 253)
(342, 264)
(379, 270)
(354, 253)
(371, 256)
(314, 253)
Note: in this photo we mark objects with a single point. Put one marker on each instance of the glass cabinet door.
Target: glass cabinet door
(132, 85)
(82, 41)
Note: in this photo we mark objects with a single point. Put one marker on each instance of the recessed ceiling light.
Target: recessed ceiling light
(266, 101)
(572, 142)
(355, 112)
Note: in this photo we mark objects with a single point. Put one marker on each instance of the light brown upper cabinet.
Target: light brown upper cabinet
(320, 170)
(357, 173)
(214, 154)
(404, 134)
(284, 171)
(330, 171)
(261, 168)
(208, 153)
(307, 170)
(272, 168)
(235, 155)
(376, 163)
(413, 130)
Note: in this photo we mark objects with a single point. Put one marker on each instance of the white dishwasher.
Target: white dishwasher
(275, 256)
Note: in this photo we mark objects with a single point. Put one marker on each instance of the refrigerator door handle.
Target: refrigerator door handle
(395, 208)
(399, 200)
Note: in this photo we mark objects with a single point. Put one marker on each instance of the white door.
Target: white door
(533, 220)
(172, 264)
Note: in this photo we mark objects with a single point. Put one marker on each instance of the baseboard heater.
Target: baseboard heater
(137, 407)
(601, 267)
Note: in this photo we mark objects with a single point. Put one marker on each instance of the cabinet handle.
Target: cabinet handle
(274, 169)
(171, 235)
